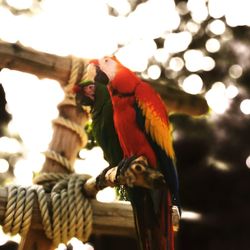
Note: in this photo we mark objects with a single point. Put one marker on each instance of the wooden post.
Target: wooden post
(67, 143)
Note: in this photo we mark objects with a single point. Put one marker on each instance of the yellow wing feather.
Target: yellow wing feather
(159, 130)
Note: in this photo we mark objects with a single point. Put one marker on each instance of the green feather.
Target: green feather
(103, 126)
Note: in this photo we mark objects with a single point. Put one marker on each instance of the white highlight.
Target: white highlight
(154, 72)
(245, 106)
(235, 71)
(106, 195)
(213, 45)
(232, 91)
(4, 166)
(176, 63)
(192, 84)
(248, 161)
(217, 27)
(217, 99)
(177, 42)
(190, 215)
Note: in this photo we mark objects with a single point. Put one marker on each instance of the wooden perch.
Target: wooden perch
(17, 57)
(138, 173)
(114, 218)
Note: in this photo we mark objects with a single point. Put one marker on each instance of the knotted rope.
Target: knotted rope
(69, 212)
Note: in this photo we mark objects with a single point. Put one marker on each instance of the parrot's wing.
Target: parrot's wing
(155, 115)
(152, 117)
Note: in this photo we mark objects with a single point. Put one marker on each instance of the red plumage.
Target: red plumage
(141, 122)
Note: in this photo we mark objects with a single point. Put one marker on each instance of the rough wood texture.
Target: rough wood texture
(114, 218)
(15, 56)
(68, 144)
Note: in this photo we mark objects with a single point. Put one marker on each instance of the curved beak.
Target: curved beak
(100, 76)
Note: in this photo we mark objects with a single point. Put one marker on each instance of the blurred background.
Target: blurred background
(199, 46)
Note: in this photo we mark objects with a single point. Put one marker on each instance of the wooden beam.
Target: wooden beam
(17, 57)
(115, 218)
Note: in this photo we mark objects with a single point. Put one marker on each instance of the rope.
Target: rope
(76, 68)
(69, 99)
(70, 213)
(70, 216)
(59, 159)
(72, 126)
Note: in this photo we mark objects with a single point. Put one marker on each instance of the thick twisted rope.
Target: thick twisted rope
(59, 159)
(72, 126)
(71, 214)
(76, 68)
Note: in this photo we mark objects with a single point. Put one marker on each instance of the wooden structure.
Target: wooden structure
(67, 143)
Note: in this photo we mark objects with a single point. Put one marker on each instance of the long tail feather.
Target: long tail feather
(153, 220)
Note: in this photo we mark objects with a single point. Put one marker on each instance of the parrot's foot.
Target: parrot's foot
(101, 181)
(124, 172)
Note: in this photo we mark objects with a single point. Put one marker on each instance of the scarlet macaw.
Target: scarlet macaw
(141, 122)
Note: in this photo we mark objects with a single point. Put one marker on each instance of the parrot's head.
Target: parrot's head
(84, 93)
(110, 71)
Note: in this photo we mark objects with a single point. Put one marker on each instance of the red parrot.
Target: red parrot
(141, 122)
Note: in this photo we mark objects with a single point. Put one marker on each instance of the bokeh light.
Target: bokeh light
(161, 55)
(177, 42)
(231, 91)
(154, 71)
(217, 99)
(4, 166)
(198, 10)
(216, 8)
(193, 27)
(106, 195)
(213, 45)
(248, 161)
(208, 63)
(91, 162)
(193, 60)
(235, 71)
(176, 63)
(77, 244)
(23, 172)
(21, 4)
(191, 215)
(192, 84)
(10, 145)
(217, 27)
(245, 106)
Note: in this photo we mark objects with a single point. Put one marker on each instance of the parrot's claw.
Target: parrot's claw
(101, 178)
(123, 171)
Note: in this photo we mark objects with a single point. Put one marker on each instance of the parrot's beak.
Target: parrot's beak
(100, 76)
